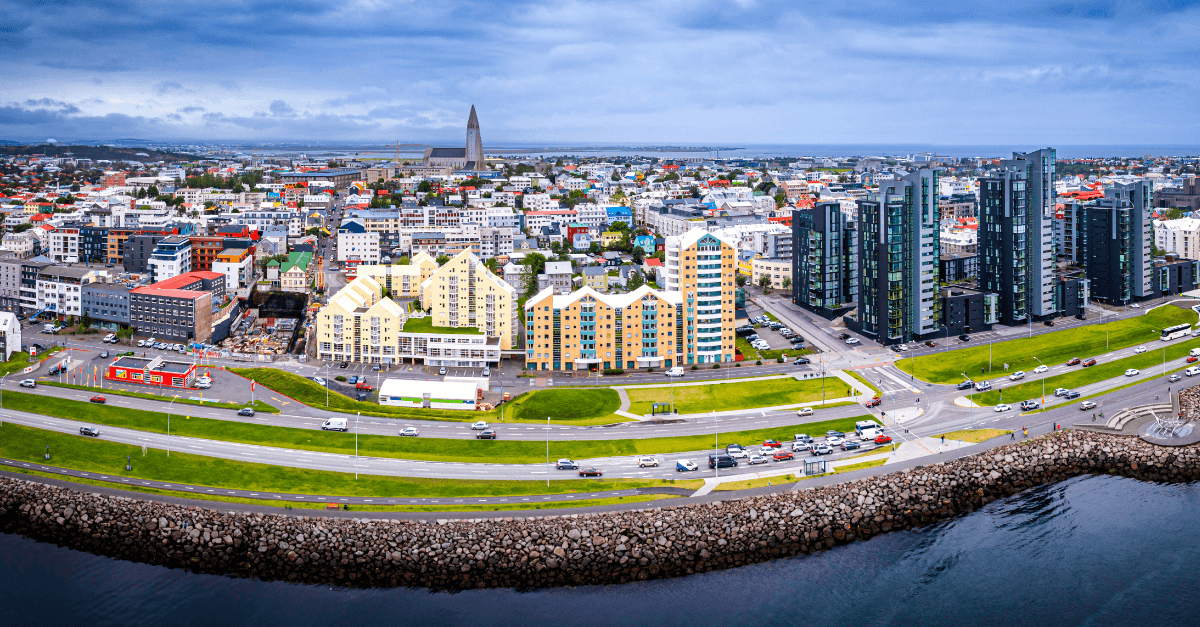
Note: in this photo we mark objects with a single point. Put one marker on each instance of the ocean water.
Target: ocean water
(1090, 551)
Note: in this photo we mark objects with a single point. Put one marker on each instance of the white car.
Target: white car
(319, 381)
(1132, 372)
(804, 411)
(685, 465)
(756, 459)
(203, 385)
(674, 372)
(1140, 349)
(1020, 374)
(1002, 407)
(901, 348)
(852, 341)
(647, 461)
(28, 383)
(477, 426)
(1136, 306)
(487, 372)
(1061, 392)
(834, 441)
(410, 432)
(738, 453)
(1040, 369)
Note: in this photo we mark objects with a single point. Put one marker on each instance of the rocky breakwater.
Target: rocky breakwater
(599, 548)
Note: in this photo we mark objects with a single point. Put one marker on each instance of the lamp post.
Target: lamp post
(547, 451)
(356, 445)
(2, 399)
(169, 424)
(716, 446)
(327, 385)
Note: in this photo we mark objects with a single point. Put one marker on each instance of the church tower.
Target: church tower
(475, 159)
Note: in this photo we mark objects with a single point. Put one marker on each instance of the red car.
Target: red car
(97, 399)
(883, 439)
(771, 444)
(1193, 359)
(782, 455)
(1090, 362)
(1074, 361)
(875, 401)
(363, 386)
(590, 472)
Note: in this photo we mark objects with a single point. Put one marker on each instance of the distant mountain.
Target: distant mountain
(111, 153)
(9, 142)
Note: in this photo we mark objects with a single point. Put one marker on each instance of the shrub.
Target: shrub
(758, 363)
(650, 369)
(737, 365)
(695, 367)
(340, 378)
(716, 366)
(779, 359)
(613, 371)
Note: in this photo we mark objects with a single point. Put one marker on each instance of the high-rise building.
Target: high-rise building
(899, 246)
(475, 158)
(1016, 236)
(1117, 250)
(824, 259)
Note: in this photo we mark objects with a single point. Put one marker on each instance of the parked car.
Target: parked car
(1017, 376)
(804, 411)
(685, 465)
(344, 364)
(783, 456)
(1040, 369)
(674, 372)
(28, 383)
(901, 348)
(647, 461)
(931, 344)
(566, 464)
(1132, 372)
(882, 439)
(1048, 323)
(1028, 405)
(203, 385)
(362, 385)
(853, 341)
(97, 399)
(352, 380)
(89, 431)
(487, 372)
(844, 336)
(476, 426)
(486, 434)
(1073, 361)
(964, 338)
(442, 371)
(410, 432)
(319, 381)
(246, 411)
(1089, 362)
(591, 471)
(1002, 407)
(1086, 405)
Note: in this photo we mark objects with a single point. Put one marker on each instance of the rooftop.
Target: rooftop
(425, 325)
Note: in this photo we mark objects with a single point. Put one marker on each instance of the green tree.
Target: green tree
(616, 176)
(740, 280)
(786, 283)
(764, 282)
(442, 260)
(619, 225)
(638, 255)
(1174, 213)
(403, 261)
(635, 281)
(85, 320)
(535, 264)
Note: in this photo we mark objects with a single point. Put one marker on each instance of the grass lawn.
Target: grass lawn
(1051, 348)
(861, 379)
(566, 405)
(975, 436)
(19, 361)
(859, 466)
(693, 399)
(258, 405)
(1080, 376)
(756, 483)
(425, 325)
(431, 449)
(93, 455)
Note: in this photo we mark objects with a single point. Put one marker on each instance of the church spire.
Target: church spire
(473, 121)
(474, 152)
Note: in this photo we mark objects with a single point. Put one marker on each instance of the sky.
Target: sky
(739, 72)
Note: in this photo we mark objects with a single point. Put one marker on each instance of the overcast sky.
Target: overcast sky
(695, 71)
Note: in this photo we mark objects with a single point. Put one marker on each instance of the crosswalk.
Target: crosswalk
(887, 381)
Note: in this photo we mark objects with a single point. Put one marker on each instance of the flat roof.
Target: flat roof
(140, 363)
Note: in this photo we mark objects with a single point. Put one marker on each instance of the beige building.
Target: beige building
(402, 281)
(777, 269)
(464, 293)
(360, 325)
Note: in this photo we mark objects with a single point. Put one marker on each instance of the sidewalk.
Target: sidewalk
(712, 482)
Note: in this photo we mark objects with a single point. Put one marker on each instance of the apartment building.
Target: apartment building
(776, 268)
(205, 251)
(464, 293)
(107, 304)
(356, 245)
(1117, 251)
(171, 314)
(402, 281)
(824, 259)
(172, 257)
(65, 243)
(237, 264)
(1178, 237)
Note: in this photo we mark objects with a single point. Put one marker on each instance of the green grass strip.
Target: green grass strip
(91, 455)
(258, 405)
(1056, 347)
(719, 396)
(19, 360)
(565, 405)
(863, 380)
(499, 451)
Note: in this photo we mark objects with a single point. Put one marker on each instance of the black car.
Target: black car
(964, 338)
(89, 431)
(844, 336)
(800, 361)
(1048, 323)
(831, 433)
(344, 364)
(1072, 394)
(849, 445)
(966, 385)
(486, 434)
(721, 461)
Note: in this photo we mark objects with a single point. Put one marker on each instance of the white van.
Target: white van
(863, 425)
(1193, 371)
(334, 424)
(869, 435)
(1195, 352)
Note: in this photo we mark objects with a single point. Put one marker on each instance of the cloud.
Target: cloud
(164, 88)
(281, 109)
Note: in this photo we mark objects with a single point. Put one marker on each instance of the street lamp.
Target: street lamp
(356, 445)
(547, 451)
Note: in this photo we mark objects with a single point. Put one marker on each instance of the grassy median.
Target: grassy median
(258, 405)
(567, 405)
(1056, 347)
(718, 396)
(498, 451)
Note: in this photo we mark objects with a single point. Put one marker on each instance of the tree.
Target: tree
(765, 282)
(1174, 213)
(313, 231)
(740, 280)
(442, 260)
(403, 261)
(492, 264)
(786, 283)
(638, 255)
(535, 264)
(616, 176)
(635, 281)
(85, 321)
(619, 225)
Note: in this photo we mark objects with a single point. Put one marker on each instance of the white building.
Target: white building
(10, 334)
(1180, 237)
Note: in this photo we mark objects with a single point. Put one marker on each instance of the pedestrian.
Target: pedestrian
(1024, 432)
(1012, 435)
(943, 439)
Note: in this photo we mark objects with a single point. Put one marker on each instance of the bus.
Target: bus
(1177, 331)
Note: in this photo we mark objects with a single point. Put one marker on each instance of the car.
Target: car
(1048, 323)
(844, 336)
(756, 459)
(771, 444)
(783, 456)
(344, 364)
(1136, 306)
(89, 431)
(883, 439)
(685, 465)
(835, 440)
(853, 341)
(1192, 359)
(800, 361)
(737, 453)
(375, 367)
(1017, 376)
(28, 383)
(874, 402)
(983, 386)
(735, 446)
(1002, 407)
(476, 426)
(831, 433)
(647, 461)
(590, 471)
(849, 445)
(820, 449)
(1028, 405)
(1089, 362)
(1040, 369)
(931, 344)
(487, 372)
(674, 372)
(1086, 405)
(966, 385)
(97, 399)
(721, 461)
(964, 338)
(1072, 394)
(903, 348)
(103, 354)
(410, 432)
(141, 343)
(802, 437)
(804, 411)
(203, 385)
(363, 386)
(1140, 349)
(486, 434)
(566, 464)
(352, 380)
(1073, 361)
(1132, 372)
(1173, 378)
(800, 446)
(246, 411)
(442, 371)
(1061, 391)
(319, 381)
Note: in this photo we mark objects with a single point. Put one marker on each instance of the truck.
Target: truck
(334, 424)
(865, 425)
